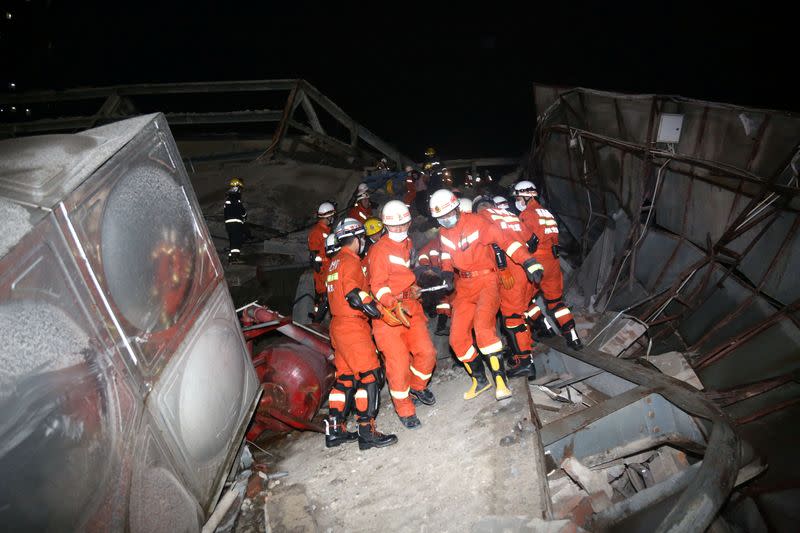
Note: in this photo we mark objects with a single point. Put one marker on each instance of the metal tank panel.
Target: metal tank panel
(125, 385)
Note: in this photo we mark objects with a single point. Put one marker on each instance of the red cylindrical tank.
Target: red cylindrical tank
(296, 381)
(296, 373)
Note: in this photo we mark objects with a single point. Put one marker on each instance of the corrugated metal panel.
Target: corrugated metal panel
(774, 352)
(783, 283)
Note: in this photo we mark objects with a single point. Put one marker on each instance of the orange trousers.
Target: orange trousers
(552, 290)
(514, 303)
(475, 305)
(410, 356)
(353, 355)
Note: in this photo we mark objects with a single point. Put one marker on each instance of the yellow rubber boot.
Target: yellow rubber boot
(479, 381)
(501, 391)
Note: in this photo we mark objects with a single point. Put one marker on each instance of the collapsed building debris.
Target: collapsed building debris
(683, 215)
(679, 220)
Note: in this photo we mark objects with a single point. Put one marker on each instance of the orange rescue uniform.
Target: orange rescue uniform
(409, 352)
(514, 301)
(355, 357)
(540, 222)
(360, 212)
(316, 246)
(466, 248)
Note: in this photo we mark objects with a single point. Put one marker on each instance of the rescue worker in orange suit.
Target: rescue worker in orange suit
(235, 217)
(430, 256)
(319, 261)
(407, 347)
(362, 210)
(358, 371)
(373, 227)
(515, 292)
(543, 243)
(466, 244)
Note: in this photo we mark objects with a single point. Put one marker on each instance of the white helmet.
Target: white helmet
(331, 244)
(348, 227)
(325, 210)
(442, 202)
(525, 189)
(395, 213)
(409, 168)
(501, 202)
(465, 204)
(362, 188)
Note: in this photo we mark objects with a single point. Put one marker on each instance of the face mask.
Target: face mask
(448, 221)
(521, 205)
(398, 236)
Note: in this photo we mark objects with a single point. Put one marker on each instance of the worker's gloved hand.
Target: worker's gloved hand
(315, 264)
(356, 298)
(413, 292)
(506, 279)
(388, 317)
(533, 243)
(534, 270)
(401, 314)
(448, 278)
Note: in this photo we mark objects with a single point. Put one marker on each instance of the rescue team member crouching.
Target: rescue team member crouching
(466, 241)
(405, 343)
(319, 261)
(358, 370)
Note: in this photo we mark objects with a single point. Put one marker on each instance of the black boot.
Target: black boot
(541, 326)
(410, 422)
(336, 432)
(479, 381)
(573, 341)
(498, 370)
(370, 437)
(424, 396)
(441, 326)
(521, 365)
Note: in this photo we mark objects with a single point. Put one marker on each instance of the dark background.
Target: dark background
(454, 77)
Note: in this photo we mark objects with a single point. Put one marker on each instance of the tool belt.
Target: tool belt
(475, 273)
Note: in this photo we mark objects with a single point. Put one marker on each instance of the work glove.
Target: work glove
(533, 243)
(355, 298)
(401, 314)
(316, 265)
(506, 279)
(388, 317)
(448, 278)
(534, 270)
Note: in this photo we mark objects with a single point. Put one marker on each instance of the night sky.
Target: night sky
(459, 79)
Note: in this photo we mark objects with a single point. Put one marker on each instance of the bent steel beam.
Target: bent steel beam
(700, 502)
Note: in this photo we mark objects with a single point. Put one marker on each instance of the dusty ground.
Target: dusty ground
(468, 462)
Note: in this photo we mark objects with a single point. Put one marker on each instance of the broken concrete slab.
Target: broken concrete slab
(620, 336)
(675, 364)
(592, 482)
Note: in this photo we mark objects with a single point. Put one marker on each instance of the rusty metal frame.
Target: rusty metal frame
(300, 92)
